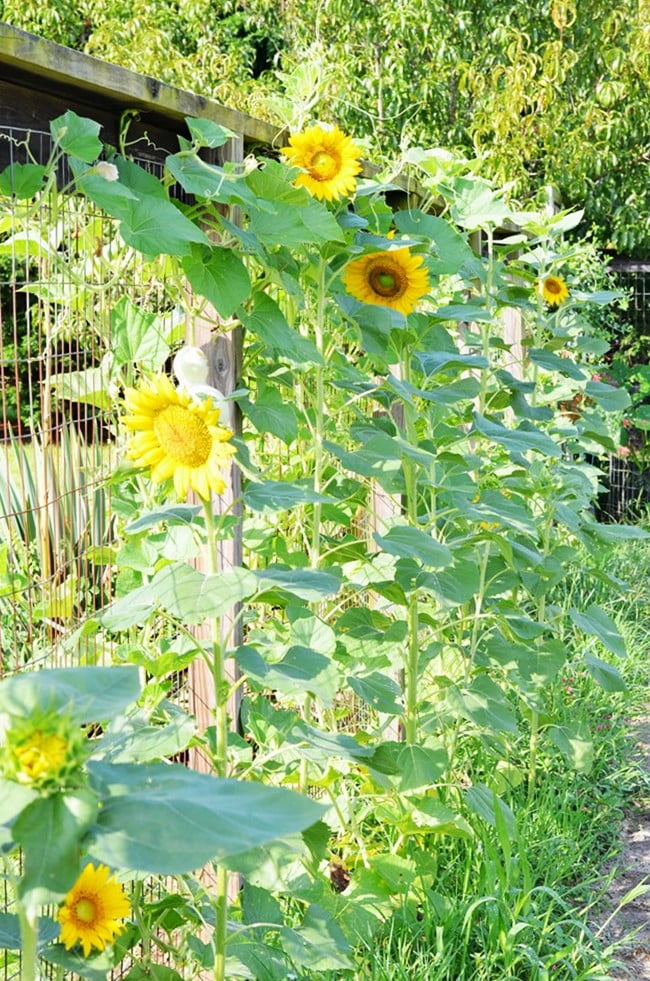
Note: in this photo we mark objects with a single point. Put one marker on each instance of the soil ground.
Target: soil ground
(633, 869)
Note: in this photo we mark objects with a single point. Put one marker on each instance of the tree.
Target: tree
(541, 94)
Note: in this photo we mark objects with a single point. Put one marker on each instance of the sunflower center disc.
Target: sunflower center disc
(552, 286)
(323, 166)
(85, 910)
(183, 436)
(385, 282)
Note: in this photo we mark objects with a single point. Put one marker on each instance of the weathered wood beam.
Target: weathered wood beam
(53, 69)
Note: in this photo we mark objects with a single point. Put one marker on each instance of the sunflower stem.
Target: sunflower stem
(319, 433)
(413, 647)
(28, 944)
(220, 760)
(145, 933)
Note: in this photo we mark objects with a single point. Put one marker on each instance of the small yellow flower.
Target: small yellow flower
(177, 437)
(489, 525)
(330, 160)
(41, 755)
(393, 279)
(92, 909)
(554, 290)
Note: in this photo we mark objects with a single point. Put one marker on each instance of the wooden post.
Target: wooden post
(224, 353)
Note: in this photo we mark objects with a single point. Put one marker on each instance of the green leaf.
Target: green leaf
(193, 596)
(137, 336)
(259, 906)
(553, 362)
(476, 205)
(182, 514)
(250, 959)
(134, 608)
(416, 544)
(288, 215)
(198, 177)
(608, 677)
(449, 363)
(280, 495)
(574, 742)
(155, 228)
(326, 744)
(93, 968)
(521, 440)
(409, 767)
(150, 222)
(219, 275)
(270, 414)
(379, 691)
(89, 694)
(452, 249)
(456, 585)
(396, 871)
(266, 321)
(14, 798)
(608, 398)
(49, 832)
(300, 670)
(483, 702)
(208, 133)
(483, 801)
(48, 929)
(599, 624)
(164, 818)
(319, 943)
(77, 136)
(129, 740)
(22, 180)
(310, 585)
(616, 532)
(468, 312)
(88, 386)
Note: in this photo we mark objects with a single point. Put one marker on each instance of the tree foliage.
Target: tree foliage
(541, 93)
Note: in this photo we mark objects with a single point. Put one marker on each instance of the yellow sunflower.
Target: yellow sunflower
(41, 754)
(92, 909)
(394, 279)
(554, 290)
(329, 158)
(177, 437)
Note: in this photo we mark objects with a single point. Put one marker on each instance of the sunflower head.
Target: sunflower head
(177, 437)
(45, 751)
(329, 159)
(92, 910)
(394, 279)
(554, 290)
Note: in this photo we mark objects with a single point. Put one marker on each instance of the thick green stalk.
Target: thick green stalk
(28, 945)
(221, 748)
(534, 718)
(413, 643)
(319, 435)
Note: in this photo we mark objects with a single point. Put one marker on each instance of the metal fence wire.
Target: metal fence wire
(627, 483)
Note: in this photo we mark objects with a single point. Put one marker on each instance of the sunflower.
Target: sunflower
(394, 279)
(91, 910)
(554, 290)
(41, 754)
(329, 159)
(177, 437)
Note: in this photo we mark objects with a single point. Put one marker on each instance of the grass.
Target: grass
(520, 908)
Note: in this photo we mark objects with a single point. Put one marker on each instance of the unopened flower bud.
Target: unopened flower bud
(107, 170)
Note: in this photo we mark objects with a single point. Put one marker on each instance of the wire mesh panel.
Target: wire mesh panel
(627, 478)
(68, 286)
